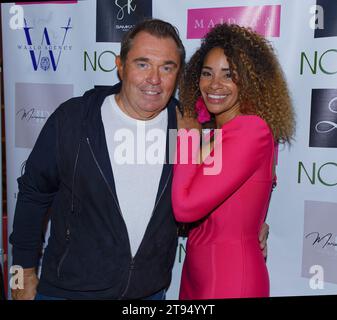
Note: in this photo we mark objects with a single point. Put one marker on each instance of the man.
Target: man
(113, 235)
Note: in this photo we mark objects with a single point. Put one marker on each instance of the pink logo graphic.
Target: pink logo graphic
(265, 20)
(45, 2)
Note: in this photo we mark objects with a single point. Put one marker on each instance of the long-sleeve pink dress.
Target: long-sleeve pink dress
(223, 256)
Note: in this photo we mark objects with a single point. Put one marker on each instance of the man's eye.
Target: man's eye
(142, 65)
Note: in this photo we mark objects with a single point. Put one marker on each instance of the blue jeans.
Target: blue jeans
(40, 296)
(160, 295)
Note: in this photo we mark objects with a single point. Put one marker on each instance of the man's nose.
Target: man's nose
(154, 76)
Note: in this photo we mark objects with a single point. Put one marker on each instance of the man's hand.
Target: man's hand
(30, 282)
(263, 236)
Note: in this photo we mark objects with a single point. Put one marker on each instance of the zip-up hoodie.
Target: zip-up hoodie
(88, 254)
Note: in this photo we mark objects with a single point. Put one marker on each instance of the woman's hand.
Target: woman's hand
(187, 121)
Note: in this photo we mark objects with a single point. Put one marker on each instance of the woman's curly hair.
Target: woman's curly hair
(262, 87)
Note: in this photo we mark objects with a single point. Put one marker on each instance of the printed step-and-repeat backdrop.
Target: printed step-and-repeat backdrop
(54, 51)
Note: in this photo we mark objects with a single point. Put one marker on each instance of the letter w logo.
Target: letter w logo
(45, 36)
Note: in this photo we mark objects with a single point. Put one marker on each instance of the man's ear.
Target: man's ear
(119, 64)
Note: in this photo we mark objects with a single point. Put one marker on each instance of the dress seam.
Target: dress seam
(243, 284)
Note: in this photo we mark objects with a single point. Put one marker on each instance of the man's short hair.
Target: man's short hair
(157, 28)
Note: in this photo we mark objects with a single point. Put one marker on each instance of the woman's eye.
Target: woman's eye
(228, 75)
(205, 74)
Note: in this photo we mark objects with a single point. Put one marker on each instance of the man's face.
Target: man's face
(149, 75)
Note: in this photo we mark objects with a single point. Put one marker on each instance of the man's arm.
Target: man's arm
(37, 188)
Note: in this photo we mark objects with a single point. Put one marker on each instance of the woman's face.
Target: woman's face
(218, 90)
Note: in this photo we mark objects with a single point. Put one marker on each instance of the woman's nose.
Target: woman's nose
(216, 83)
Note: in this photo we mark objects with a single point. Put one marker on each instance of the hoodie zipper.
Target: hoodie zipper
(64, 254)
(72, 211)
(103, 176)
(133, 259)
(132, 262)
(162, 192)
(73, 180)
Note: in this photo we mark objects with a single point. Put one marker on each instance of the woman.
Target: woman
(236, 75)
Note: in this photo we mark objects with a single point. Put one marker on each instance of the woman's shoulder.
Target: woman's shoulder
(248, 126)
(251, 122)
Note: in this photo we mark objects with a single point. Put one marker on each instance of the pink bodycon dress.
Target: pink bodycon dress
(223, 256)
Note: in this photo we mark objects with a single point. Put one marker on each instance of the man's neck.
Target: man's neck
(120, 100)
